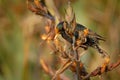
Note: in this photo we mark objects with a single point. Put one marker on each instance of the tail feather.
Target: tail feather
(100, 37)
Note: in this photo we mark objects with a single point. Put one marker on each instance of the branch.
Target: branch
(51, 72)
(40, 8)
(98, 70)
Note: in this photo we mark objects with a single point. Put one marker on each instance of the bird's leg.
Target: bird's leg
(62, 69)
(105, 56)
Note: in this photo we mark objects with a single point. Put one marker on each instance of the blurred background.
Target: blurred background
(21, 31)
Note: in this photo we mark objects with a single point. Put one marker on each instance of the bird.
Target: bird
(84, 37)
(80, 36)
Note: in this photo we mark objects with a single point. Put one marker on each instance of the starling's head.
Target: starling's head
(64, 27)
(61, 26)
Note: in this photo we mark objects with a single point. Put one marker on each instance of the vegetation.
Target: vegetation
(25, 56)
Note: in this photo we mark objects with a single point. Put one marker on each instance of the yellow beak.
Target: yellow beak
(57, 31)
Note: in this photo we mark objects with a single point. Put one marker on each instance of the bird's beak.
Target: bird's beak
(57, 31)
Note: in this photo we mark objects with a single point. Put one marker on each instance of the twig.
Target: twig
(51, 72)
(39, 7)
(97, 71)
(77, 59)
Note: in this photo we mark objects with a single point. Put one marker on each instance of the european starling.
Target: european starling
(84, 36)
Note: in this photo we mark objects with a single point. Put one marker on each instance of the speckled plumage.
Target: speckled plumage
(92, 39)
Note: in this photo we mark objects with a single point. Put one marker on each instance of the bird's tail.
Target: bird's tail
(100, 37)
